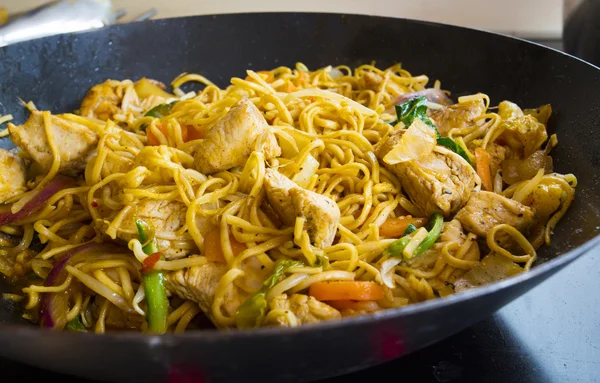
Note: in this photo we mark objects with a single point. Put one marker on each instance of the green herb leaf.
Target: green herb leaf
(414, 108)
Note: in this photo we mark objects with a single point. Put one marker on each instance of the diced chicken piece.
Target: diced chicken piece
(234, 137)
(440, 183)
(199, 284)
(74, 142)
(290, 201)
(486, 210)
(372, 80)
(497, 155)
(105, 100)
(165, 217)
(304, 309)
(523, 134)
(12, 175)
(459, 115)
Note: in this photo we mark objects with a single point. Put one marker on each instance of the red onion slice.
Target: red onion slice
(37, 202)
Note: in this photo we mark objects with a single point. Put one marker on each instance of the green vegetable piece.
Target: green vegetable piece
(434, 228)
(145, 234)
(251, 313)
(410, 229)
(154, 285)
(160, 110)
(396, 248)
(76, 325)
(414, 108)
(454, 146)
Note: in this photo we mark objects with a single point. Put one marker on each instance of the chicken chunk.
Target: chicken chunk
(440, 183)
(372, 80)
(524, 134)
(165, 217)
(199, 284)
(486, 210)
(74, 142)
(304, 309)
(231, 141)
(290, 201)
(105, 100)
(458, 116)
(12, 175)
(498, 154)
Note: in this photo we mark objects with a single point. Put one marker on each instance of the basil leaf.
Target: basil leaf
(414, 108)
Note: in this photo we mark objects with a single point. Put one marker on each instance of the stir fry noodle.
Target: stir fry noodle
(289, 197)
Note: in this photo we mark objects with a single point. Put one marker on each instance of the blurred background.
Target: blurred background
(540, 20)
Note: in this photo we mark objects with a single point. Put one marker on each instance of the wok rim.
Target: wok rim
(219, 335)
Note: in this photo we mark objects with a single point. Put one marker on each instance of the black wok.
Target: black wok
(55, 73)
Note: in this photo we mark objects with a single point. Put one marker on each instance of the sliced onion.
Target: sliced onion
(54, 306)
(336, 74)
(434, 95)
(417, 142)
(57, 184)
(387, 271)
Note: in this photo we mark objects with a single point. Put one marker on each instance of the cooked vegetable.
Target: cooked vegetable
(76, 325)
(212, 246)
(346, 290)
(515, 170)
(492, 268)
(396, 227)
(434, 228)
(410, 229)
(54, 306)
(36, 203)
(417, 142)
(412, 109)
(542, 114)
(482, 165)
(251, 313)
(146, 88)
(160, 110)
(154, 284)
(416, 108)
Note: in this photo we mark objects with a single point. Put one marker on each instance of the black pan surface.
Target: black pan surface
(56, 72)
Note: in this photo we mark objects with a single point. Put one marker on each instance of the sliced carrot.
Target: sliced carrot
(212, 246)
(346, 290)
(152, 139)
(150, 261)
(354, 305)
(193, 133)
(395, 227)
(482, 164)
